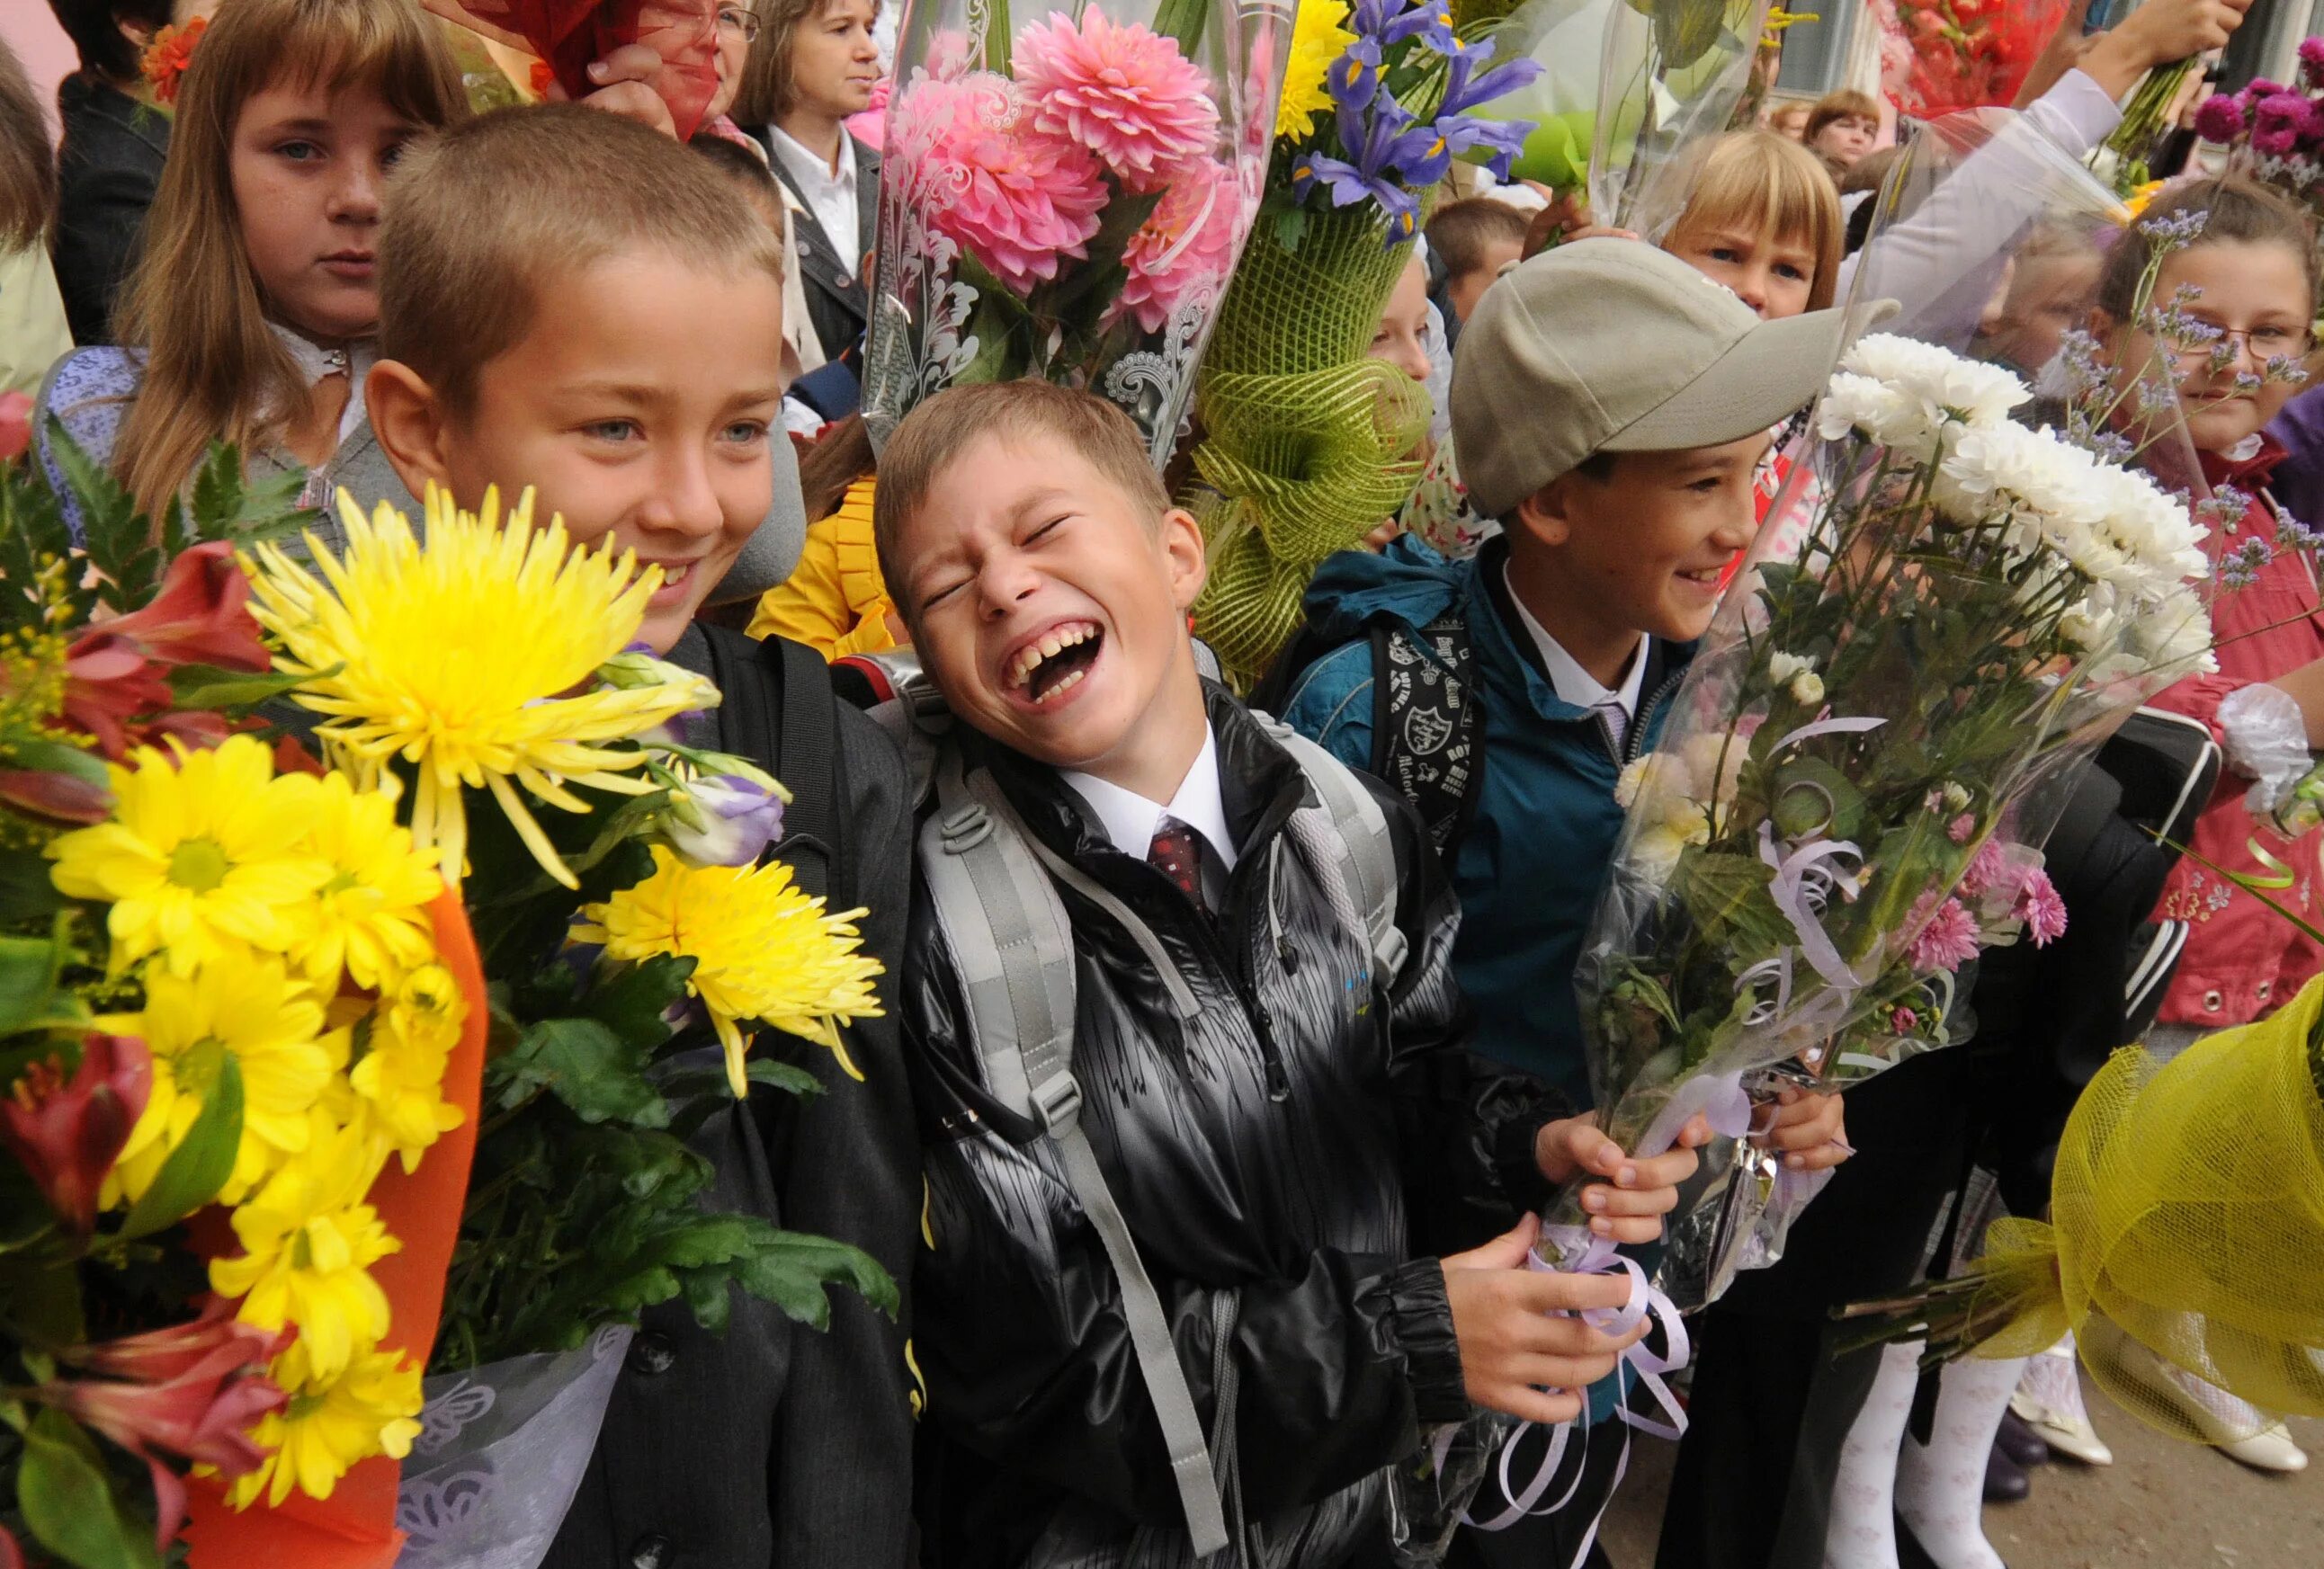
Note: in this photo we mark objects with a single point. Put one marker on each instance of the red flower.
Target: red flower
(116, 674)
(165, 60)
(15, 436)
(62, 797)
(195, 1392)
(201, 616)
(67, 1135)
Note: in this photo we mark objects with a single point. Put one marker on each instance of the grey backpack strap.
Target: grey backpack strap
(1365, 854)
(1013, 946)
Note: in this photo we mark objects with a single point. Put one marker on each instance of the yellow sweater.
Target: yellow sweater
(836, 601)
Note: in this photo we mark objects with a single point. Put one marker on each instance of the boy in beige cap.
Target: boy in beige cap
(1610, 405)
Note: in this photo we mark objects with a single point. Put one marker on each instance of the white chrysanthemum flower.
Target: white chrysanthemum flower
(1905, 424)
(1963, 389)
(2175, 637)
(1782, 667)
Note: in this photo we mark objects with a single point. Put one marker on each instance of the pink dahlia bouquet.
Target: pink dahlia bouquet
(2277, 132)
(1066, 200)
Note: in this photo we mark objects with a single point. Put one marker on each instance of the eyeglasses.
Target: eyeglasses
(740, 22)
(2264, 343)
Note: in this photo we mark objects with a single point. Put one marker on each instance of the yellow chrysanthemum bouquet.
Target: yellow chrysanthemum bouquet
(261, 1119)
(229, 1012)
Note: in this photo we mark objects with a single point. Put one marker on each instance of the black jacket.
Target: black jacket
(107, 168)
(779, 1445)
(1295, 1142)
(836, 301)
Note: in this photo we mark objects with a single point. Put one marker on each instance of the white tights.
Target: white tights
(1937, 1489)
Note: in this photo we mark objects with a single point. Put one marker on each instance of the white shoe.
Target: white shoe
(2234, 1426)
(2049, 1400)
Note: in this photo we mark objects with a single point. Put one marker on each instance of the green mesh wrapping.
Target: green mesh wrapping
(1307, 445)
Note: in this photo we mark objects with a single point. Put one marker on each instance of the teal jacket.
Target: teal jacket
(1530, 866)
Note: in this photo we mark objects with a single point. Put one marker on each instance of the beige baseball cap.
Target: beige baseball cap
(1612, 346)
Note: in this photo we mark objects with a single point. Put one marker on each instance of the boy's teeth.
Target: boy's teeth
(1073, 678)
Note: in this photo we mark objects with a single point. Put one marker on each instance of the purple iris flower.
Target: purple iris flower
(1354, 77)
(1506, 138)
(1377, 143)
(1392, 21)
(1466, 89)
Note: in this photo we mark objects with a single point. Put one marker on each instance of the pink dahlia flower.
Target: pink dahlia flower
(1187, 242)
(2220, 119)
(1125, 93)
(2043, 910)
(1019, 202)
(2311, 60)
(1948, 938)
(2278, 123)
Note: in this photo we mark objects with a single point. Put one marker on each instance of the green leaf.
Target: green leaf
(208, 686)
(116, 537)
(630, 1000)
(41, 756)
(71, 1504)
(593, 1072)
(791, 1271)
(788, 1077)
(28, 982)
(198, 1168)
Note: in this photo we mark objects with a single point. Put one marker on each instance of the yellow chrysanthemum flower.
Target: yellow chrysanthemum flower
(372, 1408)
(371, 918)
(204, 854)
(308, 1242)
(762, 950)
(399, 1081)
(1318, 38)
(246, 1007)
(458, 657)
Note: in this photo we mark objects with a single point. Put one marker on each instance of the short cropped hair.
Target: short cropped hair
(1848, 103)
(932, 437)
(1460, 230)
(483, 219)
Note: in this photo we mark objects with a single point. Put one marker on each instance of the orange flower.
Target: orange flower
(165, 59)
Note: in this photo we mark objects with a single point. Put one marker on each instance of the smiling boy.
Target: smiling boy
(1287, 1127)
(573, 302)
(1518, 684)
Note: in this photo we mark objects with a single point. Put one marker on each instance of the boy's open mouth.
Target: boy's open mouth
(1054, 664)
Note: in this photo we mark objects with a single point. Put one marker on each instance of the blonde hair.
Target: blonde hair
(767, 88)
(482, 219)
(1767, 184)
(213, 369)
(932, 437)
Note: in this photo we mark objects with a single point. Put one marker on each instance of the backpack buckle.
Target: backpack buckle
(965, 828)
(1057, 1102)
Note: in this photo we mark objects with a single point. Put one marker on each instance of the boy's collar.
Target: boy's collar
(1130, 820)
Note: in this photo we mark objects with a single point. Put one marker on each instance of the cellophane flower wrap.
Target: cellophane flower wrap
(2275, 131)
(1939, 55)
(240, 1028)
(568, 35)
(1064, 192)
(484, 673)
(1670, 75)
(1308, 444)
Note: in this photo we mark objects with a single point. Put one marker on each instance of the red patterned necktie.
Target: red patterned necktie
(1176, 853)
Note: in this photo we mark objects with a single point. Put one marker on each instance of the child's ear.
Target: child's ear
(410, 422)
(1182, 547)
(1543, 514)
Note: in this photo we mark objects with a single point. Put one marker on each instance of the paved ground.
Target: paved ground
(2162, 1505)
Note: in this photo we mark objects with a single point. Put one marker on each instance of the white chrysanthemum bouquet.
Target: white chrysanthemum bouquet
(1833, 820)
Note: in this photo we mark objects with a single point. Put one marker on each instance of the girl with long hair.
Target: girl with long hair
(32, 331)
(250, 318)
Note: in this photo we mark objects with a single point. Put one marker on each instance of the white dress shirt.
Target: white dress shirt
(1130, 820)
(1619, 709)
(830, 193)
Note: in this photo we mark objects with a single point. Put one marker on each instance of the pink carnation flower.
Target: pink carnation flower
(1017, 201)
(1903, 1020)
(1188, 241)
(2041, 910)
(2278, 123)
(1984, 870)
(1125, 93)
(1946, 941)
(1961, 828)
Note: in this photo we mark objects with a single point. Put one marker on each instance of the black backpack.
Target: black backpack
(791, 722)
(1428, 733)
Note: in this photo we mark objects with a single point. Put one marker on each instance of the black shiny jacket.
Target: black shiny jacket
(1299, 1142)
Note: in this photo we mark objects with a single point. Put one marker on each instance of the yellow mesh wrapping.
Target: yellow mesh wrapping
(1307, 445)
(2188, 1214)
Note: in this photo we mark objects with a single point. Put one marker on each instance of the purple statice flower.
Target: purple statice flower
(1947, 935)
(2113, 446)
(2240, 567)
(2247, 383)
(2224, 510)
(2175, 233)
(2220, 119)
(2285, 369)
(2292, 534)
(2040, 908)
